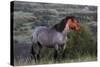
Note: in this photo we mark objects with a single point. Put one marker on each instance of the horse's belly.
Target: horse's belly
(50, 38)
(44, 38)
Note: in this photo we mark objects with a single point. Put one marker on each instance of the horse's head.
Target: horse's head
(70, 22)
(73, 24)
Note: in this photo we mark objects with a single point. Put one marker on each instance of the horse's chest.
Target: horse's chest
(58, 38)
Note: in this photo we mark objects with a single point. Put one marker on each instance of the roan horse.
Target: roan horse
(54, 37)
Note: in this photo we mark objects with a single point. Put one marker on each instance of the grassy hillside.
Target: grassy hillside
(80, 47)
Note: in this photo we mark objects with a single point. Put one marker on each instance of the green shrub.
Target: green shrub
(80, 44)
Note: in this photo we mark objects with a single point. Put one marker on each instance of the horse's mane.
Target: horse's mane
(60, 26)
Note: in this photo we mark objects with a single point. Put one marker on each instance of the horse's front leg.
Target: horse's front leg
(55, 55)
(56, 52)
(62, 49)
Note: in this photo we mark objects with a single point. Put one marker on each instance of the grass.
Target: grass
(27, 61)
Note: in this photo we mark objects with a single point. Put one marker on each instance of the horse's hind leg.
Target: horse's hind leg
(39, 50)
(38, 56)
(33, 56)
(35, 51)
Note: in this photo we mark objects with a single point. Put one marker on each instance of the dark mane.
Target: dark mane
(60, 26)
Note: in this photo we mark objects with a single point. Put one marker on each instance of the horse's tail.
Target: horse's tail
(34, 36)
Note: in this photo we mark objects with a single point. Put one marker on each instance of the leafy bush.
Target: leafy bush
(80, 44)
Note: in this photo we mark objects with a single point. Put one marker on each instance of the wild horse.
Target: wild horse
(54, 37)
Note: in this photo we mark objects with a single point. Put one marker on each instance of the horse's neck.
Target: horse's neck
(66, 29)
